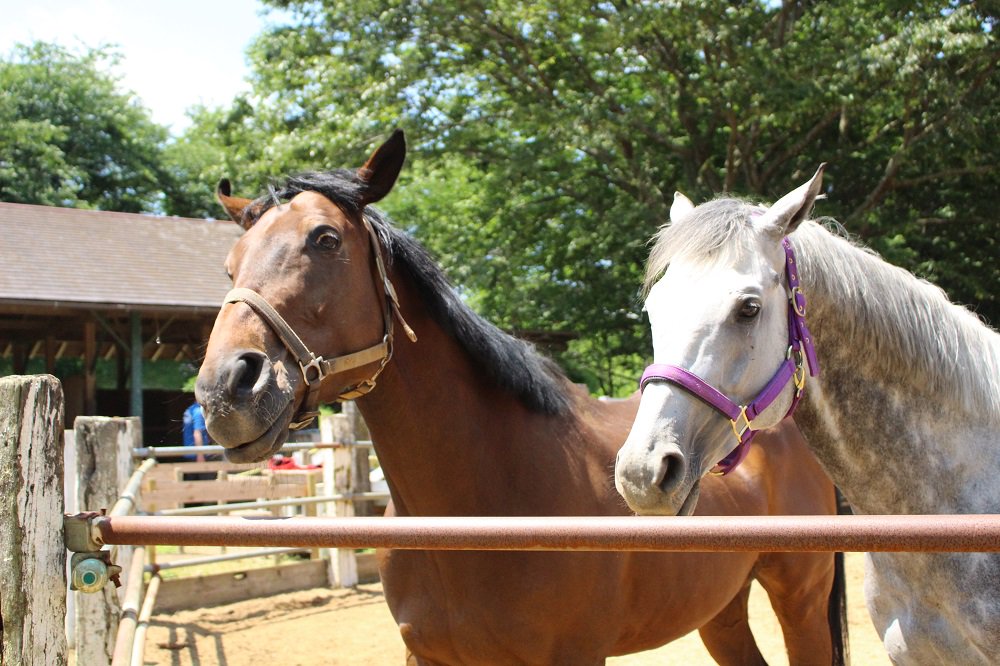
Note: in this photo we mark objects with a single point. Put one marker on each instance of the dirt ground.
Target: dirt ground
(354, 628)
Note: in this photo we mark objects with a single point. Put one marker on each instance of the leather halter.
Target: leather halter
(316, 368)
(800, 349)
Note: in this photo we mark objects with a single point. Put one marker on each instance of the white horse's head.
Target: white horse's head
(718, 306)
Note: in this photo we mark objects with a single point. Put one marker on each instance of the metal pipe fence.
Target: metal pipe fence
(127, 499)
(929, 533)
(175, 451)
(228, 557)
(215, 509)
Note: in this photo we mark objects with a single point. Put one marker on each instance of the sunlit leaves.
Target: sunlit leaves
(69, 136)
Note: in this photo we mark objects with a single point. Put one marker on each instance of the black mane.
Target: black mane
(510, 363)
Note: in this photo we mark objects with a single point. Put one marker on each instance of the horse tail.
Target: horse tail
(836, 613)
(836, 609)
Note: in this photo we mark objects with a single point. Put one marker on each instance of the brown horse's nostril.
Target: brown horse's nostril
(246, 374)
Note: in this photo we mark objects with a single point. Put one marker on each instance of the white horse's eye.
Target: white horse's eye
(748, 309)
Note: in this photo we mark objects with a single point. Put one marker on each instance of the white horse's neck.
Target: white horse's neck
(905, 412)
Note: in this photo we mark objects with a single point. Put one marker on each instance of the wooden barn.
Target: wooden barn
(100, 299)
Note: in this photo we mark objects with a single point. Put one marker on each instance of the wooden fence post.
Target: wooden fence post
(104, 464)
(361, 468)
(338, 478)
(32, 550)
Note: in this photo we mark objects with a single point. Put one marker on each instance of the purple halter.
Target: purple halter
(800, 348)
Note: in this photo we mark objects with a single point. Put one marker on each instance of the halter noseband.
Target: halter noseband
(800, 349)
(316, 368)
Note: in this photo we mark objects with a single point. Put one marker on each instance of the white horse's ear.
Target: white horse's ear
(680, 208)
(790, 210)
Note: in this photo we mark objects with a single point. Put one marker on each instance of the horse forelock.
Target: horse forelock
(904, 326)
(710, 232)
(342, 186)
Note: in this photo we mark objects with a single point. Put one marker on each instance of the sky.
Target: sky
(175, 53)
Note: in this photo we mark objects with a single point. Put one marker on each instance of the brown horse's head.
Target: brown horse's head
(308, 269)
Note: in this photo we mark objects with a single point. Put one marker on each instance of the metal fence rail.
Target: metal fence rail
(936, 533)
(214, 449)
(215, 509)
(214, 559)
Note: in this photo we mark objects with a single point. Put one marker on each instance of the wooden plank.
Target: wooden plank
(367, 565)
(32, 551)
(338, 476)
(168, 469)
(239, 490)
(202, 591)
(235, 471)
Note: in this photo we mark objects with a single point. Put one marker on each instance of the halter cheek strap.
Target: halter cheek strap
(800, 351)
(316, 368)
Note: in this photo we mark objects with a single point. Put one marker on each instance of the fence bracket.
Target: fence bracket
(80, 532)
(90, 567)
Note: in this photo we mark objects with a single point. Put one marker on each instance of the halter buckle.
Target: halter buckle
(799, 378)
(314, 366)
(800, 310)
(741, 424)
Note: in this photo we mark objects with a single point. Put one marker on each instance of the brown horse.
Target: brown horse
(470, 421)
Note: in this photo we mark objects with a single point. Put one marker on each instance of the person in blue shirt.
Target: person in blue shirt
(195, 432)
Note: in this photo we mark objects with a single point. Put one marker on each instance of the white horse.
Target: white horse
(904, 416)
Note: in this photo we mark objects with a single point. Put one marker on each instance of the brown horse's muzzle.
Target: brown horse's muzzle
(248, 403)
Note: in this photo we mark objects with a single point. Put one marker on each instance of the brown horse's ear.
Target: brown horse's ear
(383, 167)
(233, 205)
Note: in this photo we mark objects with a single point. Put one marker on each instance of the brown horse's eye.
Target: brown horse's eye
(325, 238)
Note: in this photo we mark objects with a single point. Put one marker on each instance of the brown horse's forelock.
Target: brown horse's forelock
(512, 364)
(343, 187)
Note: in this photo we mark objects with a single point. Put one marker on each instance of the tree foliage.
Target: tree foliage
(549, 136)
(70, 137)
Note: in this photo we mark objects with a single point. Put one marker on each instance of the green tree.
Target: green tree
(548, 137)
(69, 136)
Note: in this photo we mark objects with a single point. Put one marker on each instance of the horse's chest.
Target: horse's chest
(455, 607)
(936, 608)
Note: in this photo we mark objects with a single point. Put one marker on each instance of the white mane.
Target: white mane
(909, 325)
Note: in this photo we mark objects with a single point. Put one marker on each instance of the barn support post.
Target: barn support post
(50, 355)
(135, 347)
(32, 550)
(90, 367)
(20, 361)
(103, 467)
(338, 478)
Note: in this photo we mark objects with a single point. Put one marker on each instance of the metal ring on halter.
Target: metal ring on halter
(315, 364)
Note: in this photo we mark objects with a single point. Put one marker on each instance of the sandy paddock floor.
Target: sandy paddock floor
(353, 627)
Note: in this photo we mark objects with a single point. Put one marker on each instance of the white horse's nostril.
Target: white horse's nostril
(672, 471)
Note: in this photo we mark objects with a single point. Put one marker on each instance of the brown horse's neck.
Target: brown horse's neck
(451, 442)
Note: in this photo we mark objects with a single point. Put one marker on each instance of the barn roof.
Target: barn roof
(67, 258)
